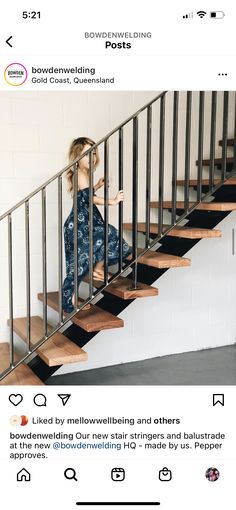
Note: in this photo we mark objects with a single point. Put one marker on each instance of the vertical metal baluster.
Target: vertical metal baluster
(27, 250)
(106, 177)
(44, 258)
(135, 204)
(174, 155)
(161, 165)
(11, 350)
(59, 185)
(200, 144)
(225, 134)
(148, 172)
(90, 224)
(75, 211)
(187, 150)
(213, 139)
(234, 168)
(121, 184)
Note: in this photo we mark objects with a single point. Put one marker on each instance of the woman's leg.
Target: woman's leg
(79, 302)
(98, 271)
(82, 271)
(112, 252)
(67, 292)
(99, 267)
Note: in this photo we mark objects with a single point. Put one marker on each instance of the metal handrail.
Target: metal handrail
(59, 174)
(63, 320)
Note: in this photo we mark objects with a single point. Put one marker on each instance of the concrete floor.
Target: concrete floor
(208, 367)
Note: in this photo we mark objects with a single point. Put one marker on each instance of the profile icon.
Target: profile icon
(19, 420)
(212, 474)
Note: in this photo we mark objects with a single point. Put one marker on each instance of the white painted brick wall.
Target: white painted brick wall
(36, 130)
(195, 309)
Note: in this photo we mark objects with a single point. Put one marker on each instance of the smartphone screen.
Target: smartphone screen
(117, 261)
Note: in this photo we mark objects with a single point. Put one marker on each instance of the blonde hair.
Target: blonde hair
(75, 150)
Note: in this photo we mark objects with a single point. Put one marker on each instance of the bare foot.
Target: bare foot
(80, 302)
(100, 275)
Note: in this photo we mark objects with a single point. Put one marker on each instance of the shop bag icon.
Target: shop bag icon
(165, 475)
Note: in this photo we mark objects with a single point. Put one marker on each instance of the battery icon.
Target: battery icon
(217, 14)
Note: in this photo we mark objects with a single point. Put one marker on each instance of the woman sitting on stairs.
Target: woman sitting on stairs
(78, 147)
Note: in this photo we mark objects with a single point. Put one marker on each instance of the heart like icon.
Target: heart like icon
(15, 399)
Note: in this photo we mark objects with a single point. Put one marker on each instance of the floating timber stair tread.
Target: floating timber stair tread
(203, 206)
(218, 161)
(194, 233)
(229, 182)
(205, 182)
(52, 300)
(178, 231)
(121, 287)
(22, 375)
(161, 260)
(57, 350)
(96, 319)
(230, 142)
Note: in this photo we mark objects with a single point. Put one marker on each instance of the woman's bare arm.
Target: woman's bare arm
(101, 201)
(111, 201)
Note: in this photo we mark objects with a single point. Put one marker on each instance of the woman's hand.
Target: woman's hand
(100, 183)
(119, 197)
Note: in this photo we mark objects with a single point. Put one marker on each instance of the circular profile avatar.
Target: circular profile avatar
(212, 474)
(18, 420)
(15, 74)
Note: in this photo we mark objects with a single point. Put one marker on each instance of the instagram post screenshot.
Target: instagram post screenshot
(118, 255)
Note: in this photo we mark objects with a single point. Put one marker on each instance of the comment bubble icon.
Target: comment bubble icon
(40, 400)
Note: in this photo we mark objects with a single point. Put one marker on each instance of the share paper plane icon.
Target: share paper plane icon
(64, 397)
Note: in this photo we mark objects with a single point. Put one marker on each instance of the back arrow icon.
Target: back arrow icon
(7, 41)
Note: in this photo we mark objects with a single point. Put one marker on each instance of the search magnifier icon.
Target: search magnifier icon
(70, 474)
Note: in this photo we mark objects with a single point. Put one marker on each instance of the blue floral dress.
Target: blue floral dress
(83, 245)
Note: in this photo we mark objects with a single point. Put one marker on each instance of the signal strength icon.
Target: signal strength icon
(189, 15)
(201, 14)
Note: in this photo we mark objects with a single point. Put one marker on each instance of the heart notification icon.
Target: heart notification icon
(15, 399)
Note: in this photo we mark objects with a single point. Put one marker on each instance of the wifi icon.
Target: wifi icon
(201, 14)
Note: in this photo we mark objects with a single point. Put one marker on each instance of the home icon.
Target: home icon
(23, 476)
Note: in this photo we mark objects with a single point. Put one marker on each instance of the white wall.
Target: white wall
(195, 309)
(36, 130)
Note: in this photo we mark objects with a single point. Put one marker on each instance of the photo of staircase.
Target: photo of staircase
(161, 228)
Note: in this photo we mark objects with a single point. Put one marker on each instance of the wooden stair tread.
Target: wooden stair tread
(203, 206)
(96, 319)
(121, 287)
(22, 375)
(218, 161)
(178, 231)
(230, 142)
(52, 300)
(161, 260)
(194, 232)
(57, 350)
(205, 182)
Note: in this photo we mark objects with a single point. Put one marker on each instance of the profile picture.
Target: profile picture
(212, 474)
(18, 420)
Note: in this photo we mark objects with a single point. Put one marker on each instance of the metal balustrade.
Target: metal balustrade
(159, 126)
